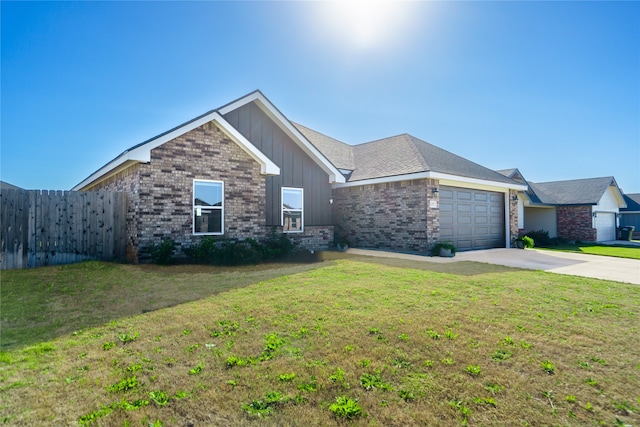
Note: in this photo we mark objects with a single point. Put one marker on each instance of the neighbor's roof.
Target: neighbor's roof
(586, 191)
(633, 202)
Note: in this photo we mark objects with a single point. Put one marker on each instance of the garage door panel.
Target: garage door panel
(605, 224)
(472, 219)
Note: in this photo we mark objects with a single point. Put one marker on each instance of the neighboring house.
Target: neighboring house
(244, 169)
(7, 186)
(580, 209)
(631, 214)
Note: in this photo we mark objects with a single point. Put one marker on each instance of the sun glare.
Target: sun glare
(363, 24)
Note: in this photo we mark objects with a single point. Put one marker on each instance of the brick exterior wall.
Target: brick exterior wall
(317, 238)
(394, 216)
(161, 192)
(575, 223)
(513, 216)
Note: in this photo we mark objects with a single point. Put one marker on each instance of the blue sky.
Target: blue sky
(552, 88)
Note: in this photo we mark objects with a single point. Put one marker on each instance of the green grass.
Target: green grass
(347, 340)
(632, 252)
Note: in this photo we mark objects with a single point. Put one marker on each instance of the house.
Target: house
(404, 194)
(244, 169)
(6, 186)
(579, 209)
(631, 214)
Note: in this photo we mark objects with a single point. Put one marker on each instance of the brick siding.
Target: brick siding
(575, 223)
(393, 216)
(513, 215)
(161, 192)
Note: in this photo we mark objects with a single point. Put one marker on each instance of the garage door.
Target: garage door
(606, 226)
(472, 219)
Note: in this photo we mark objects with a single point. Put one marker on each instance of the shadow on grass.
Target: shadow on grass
(44, 303)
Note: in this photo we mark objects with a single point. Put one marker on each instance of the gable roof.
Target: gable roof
(586, 191)
(141, 153)
(338, 153)
(633, 202)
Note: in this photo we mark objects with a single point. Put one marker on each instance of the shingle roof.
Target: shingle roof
(338, 153)
(586, 191)
(405, 154)
(633, 202)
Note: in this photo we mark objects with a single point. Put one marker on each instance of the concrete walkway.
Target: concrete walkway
(574, 264)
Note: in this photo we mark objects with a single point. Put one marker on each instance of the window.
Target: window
(292, 209)
(208, 207)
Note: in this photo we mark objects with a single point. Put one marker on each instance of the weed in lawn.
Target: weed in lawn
(406, 395)
(403, 337)
(584, 365)
(548, 367)
(286, 378)
(310, 386)
(197, 369)
(507, 341)
(374, 380)
(447, 361)
(473, 370)
(433, 334)
(338, 377)
(494, 388)
(125, 384)
(570, 398)
(525, 345)
(108, 345)
(501, 354)
(159, 397)
(127, 337)
(345, 407)
(486, 401)
(591, 381)
(450, 335)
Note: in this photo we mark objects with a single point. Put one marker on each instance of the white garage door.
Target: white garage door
(472, 219)
(605, 226)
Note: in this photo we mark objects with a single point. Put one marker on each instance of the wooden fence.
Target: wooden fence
(39, 228)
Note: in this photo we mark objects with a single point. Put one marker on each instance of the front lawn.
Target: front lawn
(353, 340)
(632, 252)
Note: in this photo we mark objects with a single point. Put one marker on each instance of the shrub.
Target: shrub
(239, 252)
(277, 245)
(435, 251)
(528, 242)
(541, 238)
(162, 253)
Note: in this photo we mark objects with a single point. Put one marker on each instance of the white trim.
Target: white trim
(282, 210)
(268, 108)
(194, 207)
(507, 216)
(445, 179)
(142, 154)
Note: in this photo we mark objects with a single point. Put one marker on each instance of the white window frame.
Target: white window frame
(194, 208)
(283, 210)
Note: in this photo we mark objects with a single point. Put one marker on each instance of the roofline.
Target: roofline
(142, 153)
(447, 178)
(272, 111)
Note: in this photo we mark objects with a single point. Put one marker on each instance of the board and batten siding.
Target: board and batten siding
(297, 169)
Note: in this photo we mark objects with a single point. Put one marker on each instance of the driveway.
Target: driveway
(574, 264)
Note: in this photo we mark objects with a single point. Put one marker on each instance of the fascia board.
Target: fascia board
(270, 110)
(142, 154)
(445, 179)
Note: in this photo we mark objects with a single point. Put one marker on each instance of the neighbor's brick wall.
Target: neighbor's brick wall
(388, 216)
(161, 192)
(575, 223)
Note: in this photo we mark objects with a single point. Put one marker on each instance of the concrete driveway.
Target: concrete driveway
(574, 264)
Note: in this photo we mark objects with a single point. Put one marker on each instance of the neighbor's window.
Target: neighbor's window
(208, 207)
(292, 215)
